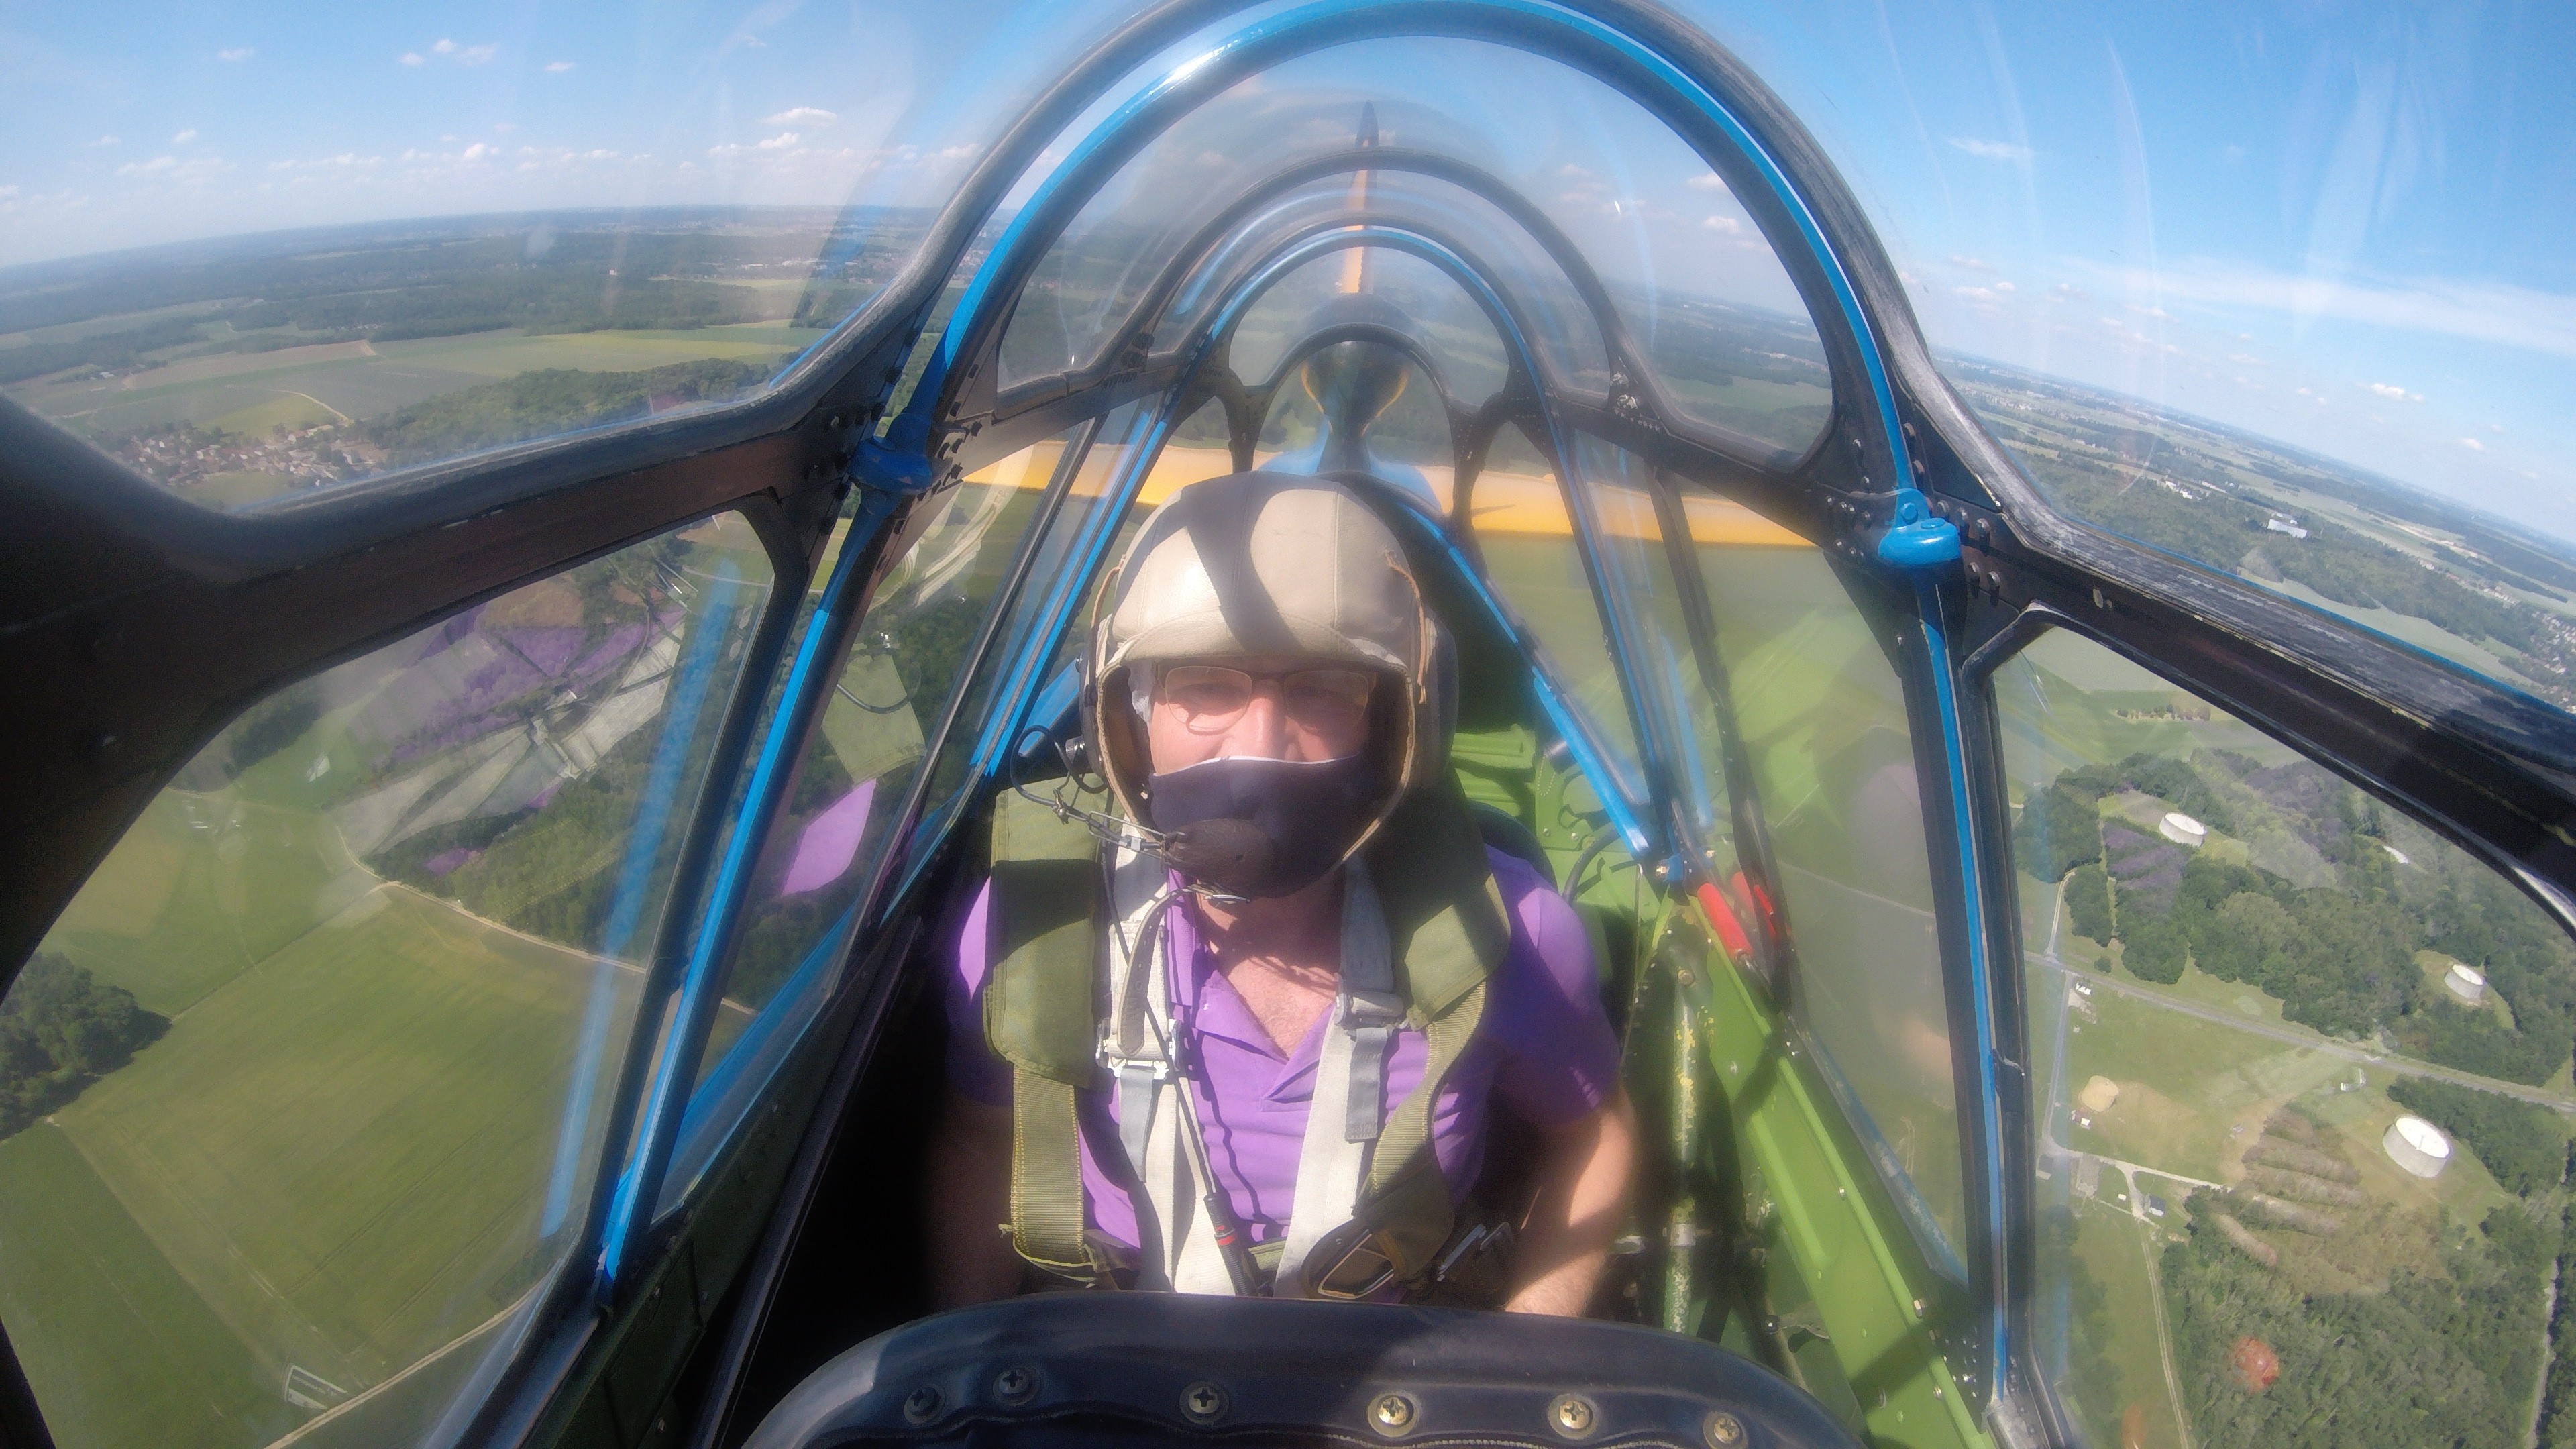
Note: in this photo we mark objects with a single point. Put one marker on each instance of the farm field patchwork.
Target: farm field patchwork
(341, 1149)
(333, 1163)
(126, 1354)
(251, 393)
(200, 889)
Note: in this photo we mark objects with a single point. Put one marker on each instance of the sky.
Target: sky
(2351, 227)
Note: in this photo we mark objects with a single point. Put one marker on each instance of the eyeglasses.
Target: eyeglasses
(1212, 697)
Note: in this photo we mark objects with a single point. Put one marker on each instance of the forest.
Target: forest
(2340, 956)
(60, 1030)
(422, 270)
(2445, 1356)
(2521, 1143)
(2340, 564)
(545, 402)
(2189, 487)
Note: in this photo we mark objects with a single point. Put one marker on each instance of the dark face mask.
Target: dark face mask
(1252, 827)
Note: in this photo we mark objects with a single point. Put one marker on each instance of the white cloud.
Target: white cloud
(1706, 181)
(783, 141)
(414, 57)
(2473, 445)
(237, 53)
(346, 164)
(557, 67)
(801, 116)
(2508, 316)
(1971, 263)
(1984, 299)
(171, 168)
(478, 152)
(103, 141)
(2495, 427)
(461, 54)
(184, 137)
(1725, 224)
(2390, 391)
(2157, 312)
(1991, 150)
(2005, 287)
(2246, 359)
(8, 191)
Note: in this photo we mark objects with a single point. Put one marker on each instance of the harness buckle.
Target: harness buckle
(1118, 1063)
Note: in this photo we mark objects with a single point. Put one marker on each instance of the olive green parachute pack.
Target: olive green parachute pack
(1448, 933)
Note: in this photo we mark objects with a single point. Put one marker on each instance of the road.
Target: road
(2301, 1037)
(2052, 1110)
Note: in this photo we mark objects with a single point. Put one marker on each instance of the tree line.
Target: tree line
(546, 402)
(60, 1030)
(2342, 957)
(2221, 531)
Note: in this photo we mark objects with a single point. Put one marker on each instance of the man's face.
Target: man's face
(1261, 706)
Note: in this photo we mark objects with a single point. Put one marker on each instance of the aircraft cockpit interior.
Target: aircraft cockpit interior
(572, 697)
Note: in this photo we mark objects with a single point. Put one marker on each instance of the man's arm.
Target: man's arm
(1582, 1197)
(970, 1194)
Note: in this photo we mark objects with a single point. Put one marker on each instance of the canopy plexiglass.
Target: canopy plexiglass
(2031, 948)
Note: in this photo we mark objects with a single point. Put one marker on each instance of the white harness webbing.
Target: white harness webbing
(1344, 1116)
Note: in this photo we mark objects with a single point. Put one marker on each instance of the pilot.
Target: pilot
(1246, 1020)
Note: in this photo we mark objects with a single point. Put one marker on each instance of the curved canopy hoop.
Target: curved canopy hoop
(1153, 305)
(1645, 73)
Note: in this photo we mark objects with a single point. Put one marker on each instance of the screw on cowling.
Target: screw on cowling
(1571, 1415)
(1203, 1402)
(1391, 1414)
(1015, 1385)
(923, 1405)
(1722, 1430)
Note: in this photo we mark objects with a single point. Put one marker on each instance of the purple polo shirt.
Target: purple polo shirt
(1544, 1047)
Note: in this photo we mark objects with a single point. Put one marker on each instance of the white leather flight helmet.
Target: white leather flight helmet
(1271, 563)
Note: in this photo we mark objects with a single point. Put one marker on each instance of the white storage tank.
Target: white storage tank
(2181, 829)
(2466, 982)
(2418, 1146)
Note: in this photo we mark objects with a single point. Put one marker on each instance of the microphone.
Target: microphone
(1235, 856)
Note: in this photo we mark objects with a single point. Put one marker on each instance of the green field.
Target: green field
(2114, 1247)
(2184, 1083)
(332, 1161)
(120, 1349)
(200, 889)
(1541, 580)
(250, 393)
(2422, 633)
(339, 1150)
